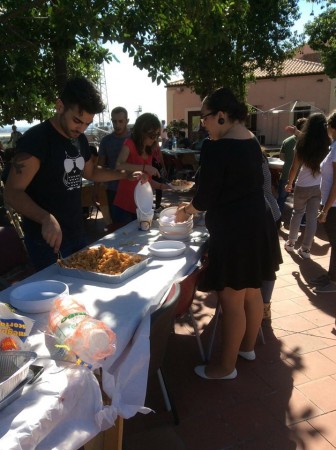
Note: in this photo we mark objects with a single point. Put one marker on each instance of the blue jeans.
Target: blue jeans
(330, 227)
(122, 216)
(306, 200)
(282, 194)
(42, 255)
(110, 199)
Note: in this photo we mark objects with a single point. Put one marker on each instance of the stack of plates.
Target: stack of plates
(172, 230)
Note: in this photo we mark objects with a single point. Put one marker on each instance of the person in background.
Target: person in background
(240, 257)
(267, 286)
(94, 152)
(15, 136)
(327, 215)
(94, 156)
(182, 140)
(169, 141)
(44, 183)
(201, 135)
(137, 155)
(109, 150)
(159, 164)
(311, 148)
(287, 155)
(2, 155)
(6, 163)
(164, 131)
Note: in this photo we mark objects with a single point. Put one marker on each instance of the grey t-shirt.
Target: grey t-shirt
(110, 148)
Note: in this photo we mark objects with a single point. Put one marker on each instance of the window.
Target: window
(301, 111)
(194, 124)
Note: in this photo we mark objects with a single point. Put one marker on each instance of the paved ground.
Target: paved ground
(284, 400)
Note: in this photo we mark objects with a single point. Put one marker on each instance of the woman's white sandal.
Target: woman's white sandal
(200, 371)
(250, 356)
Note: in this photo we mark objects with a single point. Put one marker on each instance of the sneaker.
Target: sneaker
(326, 289)
(289, 246)
(304, 253)
(322, 280)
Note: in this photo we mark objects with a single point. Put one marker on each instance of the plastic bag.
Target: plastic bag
(86, 339)
(14, 329)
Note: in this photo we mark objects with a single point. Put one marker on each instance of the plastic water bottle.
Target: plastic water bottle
(87, 340)
(174, 143)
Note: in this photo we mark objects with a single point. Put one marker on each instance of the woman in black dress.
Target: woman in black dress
(243, 246)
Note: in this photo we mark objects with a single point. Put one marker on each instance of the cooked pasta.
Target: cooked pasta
(101, 259)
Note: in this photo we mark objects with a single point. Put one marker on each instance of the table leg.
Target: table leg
(110, 439)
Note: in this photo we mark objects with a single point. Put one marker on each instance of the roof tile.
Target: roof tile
(292, 67)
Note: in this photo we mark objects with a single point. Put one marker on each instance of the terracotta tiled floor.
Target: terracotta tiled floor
(284, 400)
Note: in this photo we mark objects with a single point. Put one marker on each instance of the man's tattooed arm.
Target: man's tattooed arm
(18, 162)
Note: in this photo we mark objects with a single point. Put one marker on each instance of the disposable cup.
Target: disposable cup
(144, 219)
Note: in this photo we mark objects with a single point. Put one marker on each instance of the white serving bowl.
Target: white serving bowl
(164, 249)
(169, 213)
(172, 230)
(176, 236)
(169, 221)
(38, 296)
(182, 228)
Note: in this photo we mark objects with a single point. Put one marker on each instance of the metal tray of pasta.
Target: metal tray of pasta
(102, 264)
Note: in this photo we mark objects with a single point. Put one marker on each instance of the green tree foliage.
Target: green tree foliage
(322, 38)
(177, 125)
(211, 42)
(42, 44)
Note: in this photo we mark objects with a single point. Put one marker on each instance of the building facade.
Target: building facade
(301, 89)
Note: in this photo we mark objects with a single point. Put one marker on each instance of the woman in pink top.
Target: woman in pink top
(137, 153)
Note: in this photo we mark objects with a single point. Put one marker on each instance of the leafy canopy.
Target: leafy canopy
(211, 42)
(42, 44)
(322, 38)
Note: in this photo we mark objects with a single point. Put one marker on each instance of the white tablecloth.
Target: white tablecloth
(64, 409)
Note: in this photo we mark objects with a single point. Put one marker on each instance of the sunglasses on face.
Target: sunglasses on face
(204, 116)
(153, 135)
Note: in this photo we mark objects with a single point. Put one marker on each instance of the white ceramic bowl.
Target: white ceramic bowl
(185, 228)
(176, 236)
(172, 230)
(38, 296)
(170, 222)
(171, 211)
(164, 249)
